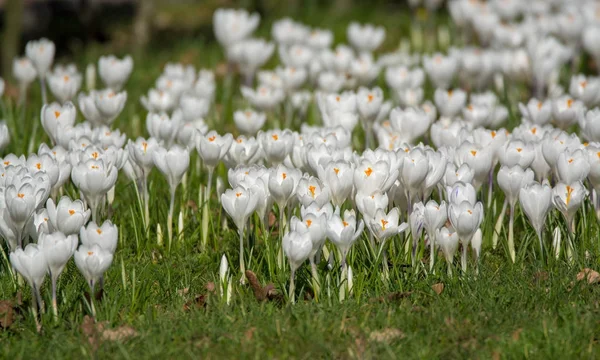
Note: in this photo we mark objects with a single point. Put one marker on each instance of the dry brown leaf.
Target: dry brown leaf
(192, 205)
(198, 302)
(540, 276)
(591, 275)
(249, 334)
(259, 291)
(7, 314)
(272, 219)
(183, 291)
(516, 334)
(438, 288)
(121, 333)
(496, 355)
(392, 297)
(210, 287)
(386, 335)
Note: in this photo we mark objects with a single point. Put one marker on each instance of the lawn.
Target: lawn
(163, 300)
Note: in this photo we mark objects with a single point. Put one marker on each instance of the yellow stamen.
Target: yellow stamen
(569, 194)
(383, 224)
(368, 172)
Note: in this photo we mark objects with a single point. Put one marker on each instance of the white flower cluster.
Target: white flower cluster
(429, 157)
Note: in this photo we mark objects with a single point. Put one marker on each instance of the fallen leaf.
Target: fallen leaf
(592, 275)
(121, 333)
(7, 314)
(438, 288)
(259, 291)
(210, 287)
(198, 302)
(272, 219)
(392, 297)
(516, 334)
(386, 335)
(183, 291)
(249, 334)
(221, 69)
(192, 205)
(496, 355)
(262, 293)
(540, 276)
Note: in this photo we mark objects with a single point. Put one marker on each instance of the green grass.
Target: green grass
(528, 309)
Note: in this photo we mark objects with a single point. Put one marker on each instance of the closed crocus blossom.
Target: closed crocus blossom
(434, 217)
(466, 219)
(440, 69)
(94, 178)
(212, 147)
(448, 240)
(56, 117)
(480, 160)
(249, 121)
(590, 124)
(453, 174)
(67, 216)
(240, 203)
(586, 89)
(536, 111)
(283, 182)
(276, 144)
(565, 111)
(568, 199)
(414, 171)
(31, 264)
(113, 71)
(572, 166)
(312, 190)
(365, 38)
(44, 163)
(369, 176)
(517, 152)
(92, 262)
(173, 164)
(243, 151)
(369, 102)
(57, 249)
(24, 72)
(250, 55)
(337, 176)
(232, 25)
(450, 102)
(536, 202)
(384, 226)
(297, 247)
(343, 232)
(158, 100)
(511, 180)
(22, 199)
(109, 104)
(64, 86)
(41, 54)
(369, 204)
(316, 226)
(105, 236)
(460, 192)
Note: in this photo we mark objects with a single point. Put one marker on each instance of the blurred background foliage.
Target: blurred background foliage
(148, 27)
